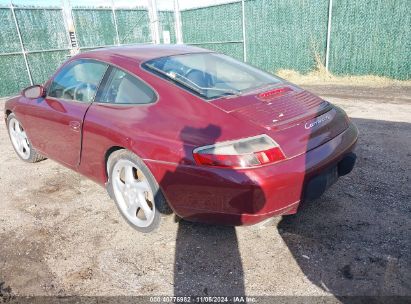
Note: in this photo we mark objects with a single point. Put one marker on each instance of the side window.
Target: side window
(123, 88)
(78, 81)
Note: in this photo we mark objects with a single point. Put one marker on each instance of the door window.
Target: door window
(123, 88)
(78, 81)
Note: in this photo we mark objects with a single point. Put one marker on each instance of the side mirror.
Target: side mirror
(34, 92)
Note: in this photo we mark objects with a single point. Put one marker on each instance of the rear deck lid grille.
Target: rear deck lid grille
(275, 108)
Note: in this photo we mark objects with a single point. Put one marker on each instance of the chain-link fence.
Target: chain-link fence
(348, 37)
(33, 43)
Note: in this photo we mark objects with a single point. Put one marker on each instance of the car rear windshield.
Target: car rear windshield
(210, 75)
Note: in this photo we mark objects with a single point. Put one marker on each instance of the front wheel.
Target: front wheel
(135, 191)
(21, 142)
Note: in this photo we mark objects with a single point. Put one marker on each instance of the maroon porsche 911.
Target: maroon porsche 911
(180, 129)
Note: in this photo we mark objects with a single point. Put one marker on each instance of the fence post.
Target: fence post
(21, 43)
(115, 21)
(178, 26)
(69, 27)
(244, 40)
(327, 50)
(155, 28)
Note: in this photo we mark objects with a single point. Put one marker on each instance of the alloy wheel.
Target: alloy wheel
(19, 139)
(133, 193)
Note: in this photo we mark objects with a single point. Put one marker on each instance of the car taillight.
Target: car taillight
(242, 153)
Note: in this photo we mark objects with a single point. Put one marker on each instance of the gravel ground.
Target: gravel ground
(61, 234)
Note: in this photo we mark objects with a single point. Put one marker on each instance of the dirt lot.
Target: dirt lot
(61, 235)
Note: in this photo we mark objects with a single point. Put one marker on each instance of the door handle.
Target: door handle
(75, 125)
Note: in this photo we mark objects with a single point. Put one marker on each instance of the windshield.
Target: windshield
(210, 75)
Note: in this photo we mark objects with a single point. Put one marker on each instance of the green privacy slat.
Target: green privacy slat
(13, 75)
(9, 41)
(42, 29)
(286, 34)
(133, 26)
(212, 24)
(94, 27)
(371, 37)
(167, 23)
(232, 49)
(43, 65)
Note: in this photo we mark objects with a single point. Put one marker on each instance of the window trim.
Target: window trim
(104, 83)
(68, 64)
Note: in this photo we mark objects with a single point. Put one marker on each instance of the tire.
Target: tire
(20, 141)
(132, 194)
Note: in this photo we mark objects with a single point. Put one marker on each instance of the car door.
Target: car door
(55, 122)
(120, 112)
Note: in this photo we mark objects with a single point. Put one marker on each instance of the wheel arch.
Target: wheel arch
(7, 113)
(110, 151)
(168, 209)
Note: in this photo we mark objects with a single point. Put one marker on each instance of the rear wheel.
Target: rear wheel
(135, 191)
(21, 142)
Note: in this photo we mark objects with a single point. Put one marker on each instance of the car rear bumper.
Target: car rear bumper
(318, 184)
(245, 197)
